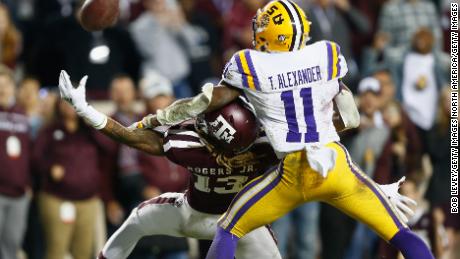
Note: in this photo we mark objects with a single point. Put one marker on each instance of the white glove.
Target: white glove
(76, 96)
(399, 201)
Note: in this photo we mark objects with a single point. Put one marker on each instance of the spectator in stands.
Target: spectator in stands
(202, 45)
(238, 26)
(336, 21)
(300, 229)
(67, 155)
(387, 86)
(160, 174)
(400, 20)
(14, 170)
(438, 147)
(402, 151)
(421, 81)
(372, 134)
(419, 75)
(29, 100)
(365, 148)
(10, 39)
(100, 55)
(126, 160)
(163, 25)
(48, 106)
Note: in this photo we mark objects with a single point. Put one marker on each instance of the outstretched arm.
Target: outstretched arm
(146, 140)
(143, 139)
(210, 99)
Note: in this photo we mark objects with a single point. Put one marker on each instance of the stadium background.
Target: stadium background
(162, 49)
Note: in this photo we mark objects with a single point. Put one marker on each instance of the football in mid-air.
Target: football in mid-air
(96, 15)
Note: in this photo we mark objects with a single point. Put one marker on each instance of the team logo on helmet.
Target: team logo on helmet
(222, 129)
(280, 25)
(263, 22)
(281, 38)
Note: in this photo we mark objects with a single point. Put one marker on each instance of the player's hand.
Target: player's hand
(75, 96)
(400, 202)
(148, 122)
(115, 213)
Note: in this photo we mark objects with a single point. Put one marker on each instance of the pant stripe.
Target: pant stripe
(250, 197)
(251, 184)
(363, 178)
(255, 198)
(157, 200)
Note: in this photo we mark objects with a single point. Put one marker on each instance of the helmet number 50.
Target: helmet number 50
(294, 135)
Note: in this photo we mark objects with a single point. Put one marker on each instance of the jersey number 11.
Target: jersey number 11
(309, 117)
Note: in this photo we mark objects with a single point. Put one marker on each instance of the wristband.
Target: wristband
(95, 118)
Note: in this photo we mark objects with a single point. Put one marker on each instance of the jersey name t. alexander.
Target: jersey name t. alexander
(295, 78)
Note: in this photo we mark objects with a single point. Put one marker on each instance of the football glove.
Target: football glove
(76, 96)
(400, 202)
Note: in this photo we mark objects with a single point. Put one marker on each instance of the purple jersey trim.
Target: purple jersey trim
(337, 47)
(251, 68)
(240, 69)
(330, 60)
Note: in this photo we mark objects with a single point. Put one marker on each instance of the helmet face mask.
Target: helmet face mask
(280, 26)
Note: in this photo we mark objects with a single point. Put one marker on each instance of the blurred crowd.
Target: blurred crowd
(64, 187)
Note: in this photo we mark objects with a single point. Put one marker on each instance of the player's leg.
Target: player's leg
(157, 216)
(259, 203)
(259, 243)
(359, 197)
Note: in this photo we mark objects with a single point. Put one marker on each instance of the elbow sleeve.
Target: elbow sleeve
(186, 109)
(347, 109)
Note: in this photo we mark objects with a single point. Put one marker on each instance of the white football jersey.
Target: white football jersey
(292, 92)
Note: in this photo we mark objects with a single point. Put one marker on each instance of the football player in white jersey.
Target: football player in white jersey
(295, 89)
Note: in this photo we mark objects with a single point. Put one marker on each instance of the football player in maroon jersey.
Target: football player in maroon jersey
(222, 150)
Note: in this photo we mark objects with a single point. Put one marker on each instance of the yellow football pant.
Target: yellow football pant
(293, 183)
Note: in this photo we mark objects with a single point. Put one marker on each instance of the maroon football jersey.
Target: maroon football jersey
(212, 184)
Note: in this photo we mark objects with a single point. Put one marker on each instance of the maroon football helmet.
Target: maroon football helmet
(231, 129)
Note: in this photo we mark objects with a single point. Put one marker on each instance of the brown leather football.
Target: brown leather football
(96, 15)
